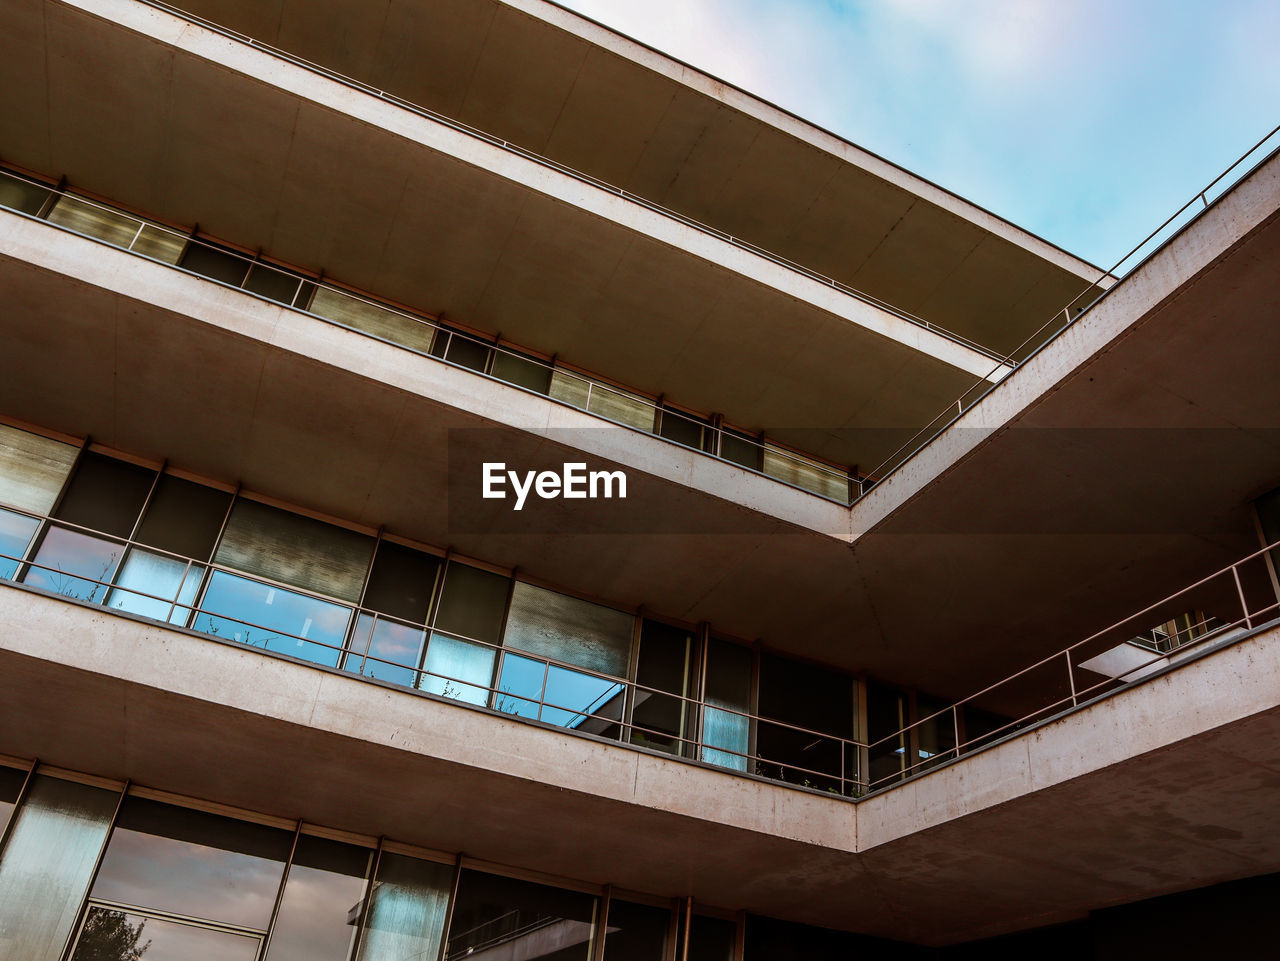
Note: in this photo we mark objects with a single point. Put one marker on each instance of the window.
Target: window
(215, 262)
(636, 932)
(741, 449)
(327, 883)
(503, 917)
(830, 482)
(472, 606)
(283, 546)
(368, 318)
(94, 220)
(32, 469)
(686, 429)
(726, 728)
(660, 715)
(196, 884)
(401, 585)
(18, 193)
(581, 633)
(806, 696)
(407, 909)
(461, 348)
(16, 531)
(47, 863)
(523, 370)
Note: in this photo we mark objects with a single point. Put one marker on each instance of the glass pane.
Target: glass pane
(685, 429)
(106, 494)
(728, 686)
(520, 686)
(294, 549)
(11, 779)
(584, 702)
(371, 319)
(569, 388)
(740, 449)
(192, 863)
(153, 584)
(160, 244)
(272, 618)
(458, 669)
(273, 282)
(74, 564)
(110, 934)
(407, 909)
(636, 932)
(711, 939)
(32, 469)
(184, 517)
(726, 738)
(402, 582)
(47, 863)
(527, 372)
(16, 531)
(17, 193)
(623, 407)
(204, 259)
(87, 218)
(461, 348)
(320, 908)
(568, 629)
(826, 481)
(504, 918)
(665, 663)
(472, 603)
(394, 650)
(886, 717)
(808, 696)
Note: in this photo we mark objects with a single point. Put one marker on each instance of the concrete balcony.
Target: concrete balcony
(557, 84)
(193, 127)
(1160, 787)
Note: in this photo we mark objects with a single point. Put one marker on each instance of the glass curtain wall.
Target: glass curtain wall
(663, 709)
(590, 636)
(47, 862)
(503, 917)
(726, 726)
(815, 699)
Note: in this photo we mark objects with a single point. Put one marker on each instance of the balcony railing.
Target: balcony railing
(423, 336)
(561, 694)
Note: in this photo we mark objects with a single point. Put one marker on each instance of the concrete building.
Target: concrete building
(936, 620)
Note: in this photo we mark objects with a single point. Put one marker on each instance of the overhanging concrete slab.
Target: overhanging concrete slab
(565, 87)
(273, 157)
(1165, 786)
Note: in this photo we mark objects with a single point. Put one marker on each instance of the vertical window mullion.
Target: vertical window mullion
(265, 945)
(73, 937)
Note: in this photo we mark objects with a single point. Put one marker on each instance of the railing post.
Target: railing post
(1071, 677)
(955, 724)
(1244, 605)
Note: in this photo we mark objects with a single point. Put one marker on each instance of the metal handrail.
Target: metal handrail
(983, 384)
(440, 349)
(855, 754)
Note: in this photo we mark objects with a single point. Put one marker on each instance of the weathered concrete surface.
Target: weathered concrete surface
(271, 156)
(1034, 496)
(560, 85)
(1168, 785)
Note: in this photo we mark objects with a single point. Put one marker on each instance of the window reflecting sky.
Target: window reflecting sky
(260, 615)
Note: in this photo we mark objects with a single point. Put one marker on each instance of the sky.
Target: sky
(1087, 122)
